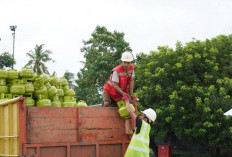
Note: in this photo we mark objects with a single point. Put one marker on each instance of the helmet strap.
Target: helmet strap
(145, 116)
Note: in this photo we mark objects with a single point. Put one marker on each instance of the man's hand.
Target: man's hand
(125, 97)
(133, 97)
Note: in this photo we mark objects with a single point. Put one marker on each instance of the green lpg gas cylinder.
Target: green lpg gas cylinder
(81, 103)
(41, 91)
(27, 80)
(12, 74)
(123, 111)
(68, 104)
(44, 103)
(29, 88)
(26, 73)
(121, 103)
(3, 89)
(17, 89)
(70, 92)
(2, 82)
(44, 78)
(34, 77)
(54, 80)
(55, 98)
(56, 103)
(5, 97)
(17, 81)
(17, 95)
(65, 88)
(48, 85)
(68, 99)
(52, 91)
(11, 82)
(29, 101)
(60, 92)
(63, 81)
(38, 85)
(3, 73)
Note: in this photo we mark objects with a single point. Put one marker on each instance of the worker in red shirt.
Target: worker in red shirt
(121, 82)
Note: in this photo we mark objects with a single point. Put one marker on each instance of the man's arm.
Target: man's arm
(116, 87)
(129, 110)
(115, 81)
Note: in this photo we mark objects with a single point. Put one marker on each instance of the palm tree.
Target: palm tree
(70, 78)
(38, 58)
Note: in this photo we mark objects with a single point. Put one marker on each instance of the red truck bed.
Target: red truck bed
(65, 131)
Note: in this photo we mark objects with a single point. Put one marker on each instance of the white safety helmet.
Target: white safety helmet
(151, 114)
(127, 57)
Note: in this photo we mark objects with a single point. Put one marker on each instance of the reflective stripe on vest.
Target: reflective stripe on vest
(139, 149)
(111, 84)
(124, 73)
(139, 145)
(142, 139)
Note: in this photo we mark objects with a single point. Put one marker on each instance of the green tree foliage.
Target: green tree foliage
(190, 88)
(6, 60)
(86, 91)
(38, 58)
(102, 52)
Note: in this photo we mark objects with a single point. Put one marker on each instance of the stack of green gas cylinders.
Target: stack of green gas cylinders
(122, 109)
(42, 90)
(3, 87)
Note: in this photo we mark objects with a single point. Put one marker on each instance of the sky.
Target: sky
(62, 25)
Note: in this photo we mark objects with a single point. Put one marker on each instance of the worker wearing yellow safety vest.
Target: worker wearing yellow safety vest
(139, 144)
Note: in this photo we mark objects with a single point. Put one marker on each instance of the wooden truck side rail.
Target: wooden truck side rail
(12, 126)
(61, 131)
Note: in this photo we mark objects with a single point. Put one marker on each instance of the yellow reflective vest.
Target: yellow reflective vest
(139, 144)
